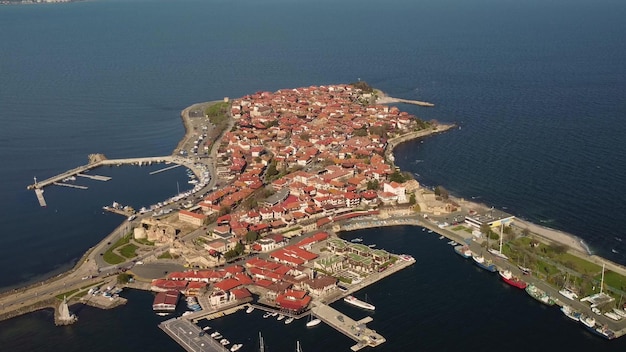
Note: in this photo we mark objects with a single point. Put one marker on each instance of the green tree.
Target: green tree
(252, 236)
(412, 200)
(485, 229)
(397, 176)
(230, 255)
(305, 136)
(361, 132)
(224, 210)
(123, 278)
(441, 192)
(362, 85)
(272, 170)
(373, 184)
(239, 248)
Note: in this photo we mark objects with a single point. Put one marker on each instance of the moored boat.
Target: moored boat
(313, 322)
(566, 292)
(540, 295)
(357, 302)
(463, 251)
(511, 279)
(604, 332)
(570, 313)
(483, 263)
(224, 342)
(267, 315)
(288, 320)
(613, 316)
(280, 317)
(250, 309)
(620, 312)
(236, 347)
(588, 321)
(525, 270)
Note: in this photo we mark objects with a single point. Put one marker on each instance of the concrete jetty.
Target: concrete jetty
(190, 337)
(165, 169)
(95, 177)
(390, 100)
(356, 330)
(79, 171)
(40, 198)
(69, 185)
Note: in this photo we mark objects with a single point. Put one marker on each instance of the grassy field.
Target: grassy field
(129, 250)
(165, 255)
(113, 258)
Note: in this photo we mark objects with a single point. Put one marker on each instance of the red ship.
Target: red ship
(512, 280)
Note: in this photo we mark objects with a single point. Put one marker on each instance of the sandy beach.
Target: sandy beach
(553, 235)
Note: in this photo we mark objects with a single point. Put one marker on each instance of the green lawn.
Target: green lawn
(66, 294)
(144, 242)
(129, 250)
(165, 255)
(614, 280)
(113, 258)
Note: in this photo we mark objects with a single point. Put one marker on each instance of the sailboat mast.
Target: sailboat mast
(602, 281)
(501, 225)
(261, 344)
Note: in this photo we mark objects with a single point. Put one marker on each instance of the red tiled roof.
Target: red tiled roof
(241, 293)
(227, 284)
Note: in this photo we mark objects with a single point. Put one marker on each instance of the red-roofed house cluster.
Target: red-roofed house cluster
(293, 128)
(283, 279)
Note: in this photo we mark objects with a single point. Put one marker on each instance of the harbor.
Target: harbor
(289, 278)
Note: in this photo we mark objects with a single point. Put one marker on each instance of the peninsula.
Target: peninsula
(277, 176)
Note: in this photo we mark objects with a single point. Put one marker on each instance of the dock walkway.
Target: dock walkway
(95, 177)
(356, 330)
(190, 337)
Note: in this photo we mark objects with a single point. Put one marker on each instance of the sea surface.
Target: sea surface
(536, 88)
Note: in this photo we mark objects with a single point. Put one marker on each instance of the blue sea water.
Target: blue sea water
(536, 86)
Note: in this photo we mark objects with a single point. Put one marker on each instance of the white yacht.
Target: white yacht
(566, 292)
(357, 302)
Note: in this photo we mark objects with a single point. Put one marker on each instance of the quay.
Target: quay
(190, 337)
(356, 330)
(118, 211)
(210, 314)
